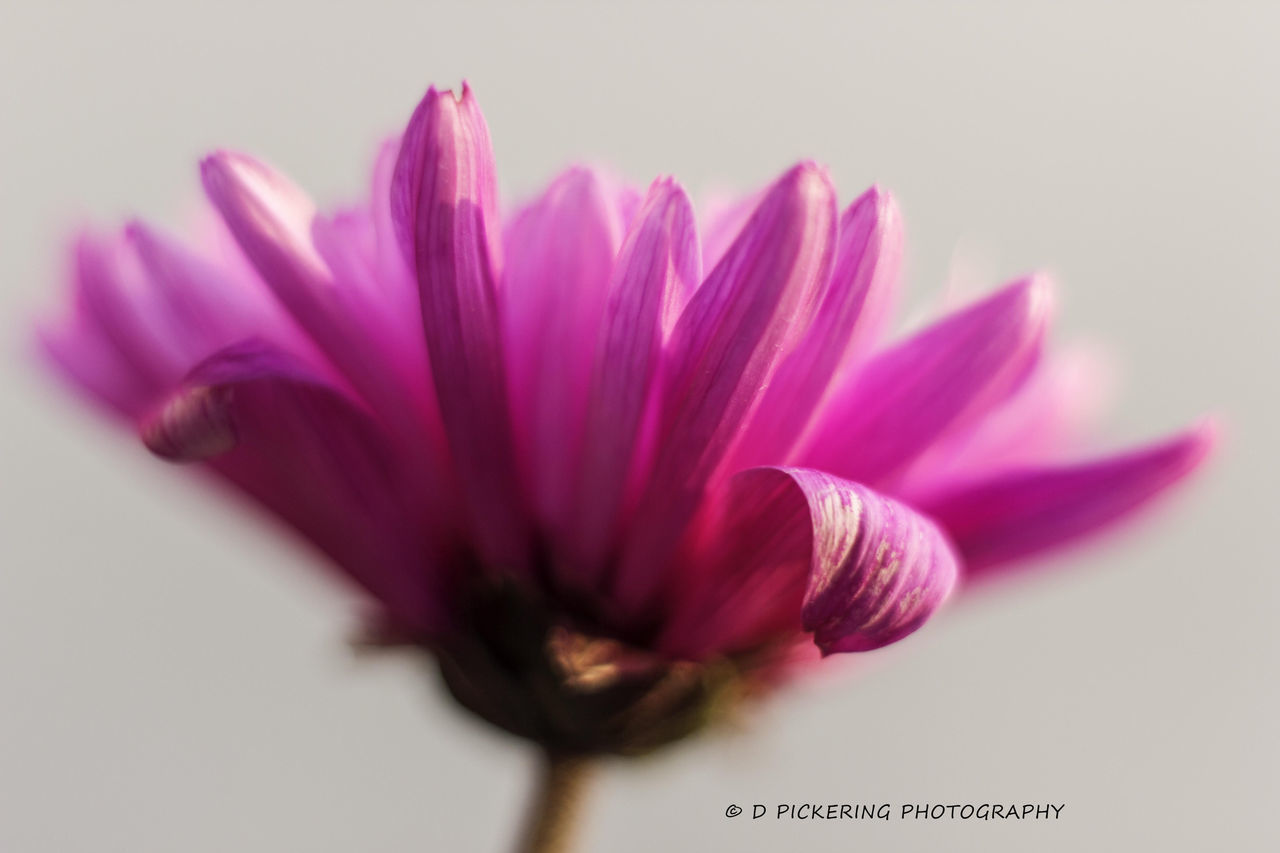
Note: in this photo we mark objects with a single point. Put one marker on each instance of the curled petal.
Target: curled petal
(939, 380)
(794, 547)
(879, 568)
(192, 426)
(444, 207)
(1020, 513)
(318, 459)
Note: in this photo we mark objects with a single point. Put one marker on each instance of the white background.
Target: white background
(173, 676)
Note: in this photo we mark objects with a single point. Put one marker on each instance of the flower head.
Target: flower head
(609, 463)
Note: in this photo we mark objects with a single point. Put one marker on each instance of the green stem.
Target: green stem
(551, 823)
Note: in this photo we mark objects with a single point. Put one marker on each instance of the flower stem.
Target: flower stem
(551, 823)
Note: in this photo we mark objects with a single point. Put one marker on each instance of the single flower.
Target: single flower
(612, 466)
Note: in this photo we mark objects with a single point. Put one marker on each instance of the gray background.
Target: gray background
(173, 676)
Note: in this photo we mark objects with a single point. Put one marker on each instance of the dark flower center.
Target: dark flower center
(529, 671)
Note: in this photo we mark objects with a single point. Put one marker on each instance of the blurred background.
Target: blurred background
(175, 676)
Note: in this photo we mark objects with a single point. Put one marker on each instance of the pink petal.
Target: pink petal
(347, 245)
(392, 264)
(444, 206)
(358, 331)
(1019, 513)
(314, 456)
(657, 269)
(208, 306)
(879, 571)
(725, 346)
(796, 548)
(850, 318)
(559, 256)
(77, 348)
(115, 291)
(146, 310)
(722, 219)
(1047, 419)
(939, 380)
(395, 281)
(272, 221)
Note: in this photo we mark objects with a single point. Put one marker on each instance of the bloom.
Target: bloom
(604, 460)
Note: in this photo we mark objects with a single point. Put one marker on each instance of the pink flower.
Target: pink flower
(593, 452)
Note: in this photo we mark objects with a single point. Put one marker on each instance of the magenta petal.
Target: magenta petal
(850, 317)
(939, 380)
(736, 328)
(271, 220)
(722, 219)
(364, 335)
(1047, 420)
(657, 269)
(879, 568)
(559, 255)
(794, 547)
(126, 307)
(276, 227)
(314, 456)
(1021, 513)
(147, 309)
(94, 344)
(77, 348)
(444, 207)
(208, 306)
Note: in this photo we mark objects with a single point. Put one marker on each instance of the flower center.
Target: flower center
(527, 670)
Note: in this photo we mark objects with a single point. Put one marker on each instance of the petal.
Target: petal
(114, 290)
(347, 246)
(849, 319)
(381, 341)
(657, 269)
(313, 455)
(272, 221)
(1017, 514)
(736, 328)
(559, 254)
(939, 380)
(353, 326)
(76, 348)
(394, 279)
(208, 305)
(796, 548)
(879, 568)
(444, 206)
(146, 310)
(722, 219)
(1049, 417)
(79, 346)
(392, 264)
